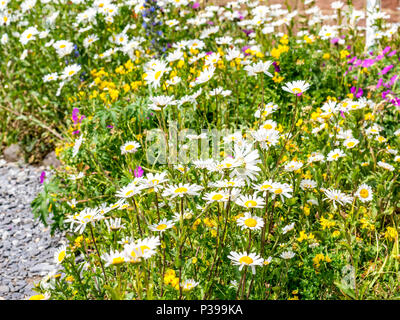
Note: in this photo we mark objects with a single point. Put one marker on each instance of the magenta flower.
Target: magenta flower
(385, 93)
(393, 79)
(75, 112)
(379, 84)
(386, 69)
(196, 5)
(368, 62)
(138, 172)
(386, 50)
(42, 177)
(352, 60)
(247, 32)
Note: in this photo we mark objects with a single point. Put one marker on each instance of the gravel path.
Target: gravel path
(26, 246)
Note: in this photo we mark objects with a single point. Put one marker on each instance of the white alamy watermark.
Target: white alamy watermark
(185, 146)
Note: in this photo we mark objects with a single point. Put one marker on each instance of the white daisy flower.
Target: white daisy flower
(130, 147)
(364, 193)
(163, 225)
(249, 221)
(242, 259)
(296, 87)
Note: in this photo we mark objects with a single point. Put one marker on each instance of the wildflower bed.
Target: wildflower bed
(242, 151)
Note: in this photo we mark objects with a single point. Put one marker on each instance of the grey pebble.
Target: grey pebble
(3, 289)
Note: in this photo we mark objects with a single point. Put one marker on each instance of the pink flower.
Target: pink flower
(42, 176)
(386, 69)
(138, 172)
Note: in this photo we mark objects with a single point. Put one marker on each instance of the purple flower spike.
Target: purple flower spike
(277, 69)
(386, 50)
(379, 84)
(42, 177)
(247, 32)
(138, 172)
(342, 115)
(386, 69)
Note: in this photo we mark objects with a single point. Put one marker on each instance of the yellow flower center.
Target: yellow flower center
(37, 297)
(161, 227)
(364, 193)
(246, 260)
(118, 260)
(129, 147)
(61, 256)
(29, 36)
(250, 222)
(267, 126)
(62, 46)
(217, 197)
(143, 248)
(350, 144)
(266, 187)
(250, 203)
(181, 190)
(155, 181)
(278, 191)
(157, 75)
(71, 72)
(296, 90)
(189, 286)
(128, 193)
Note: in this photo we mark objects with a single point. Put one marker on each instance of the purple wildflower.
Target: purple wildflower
(277, 69)
(386, 50)
(379, 84)
(386, 69)
(247, 32)
(42, 176)
(138, 172)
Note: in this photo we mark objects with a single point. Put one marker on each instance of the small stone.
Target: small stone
(51, 160)
(13, 153)
(4, 289)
